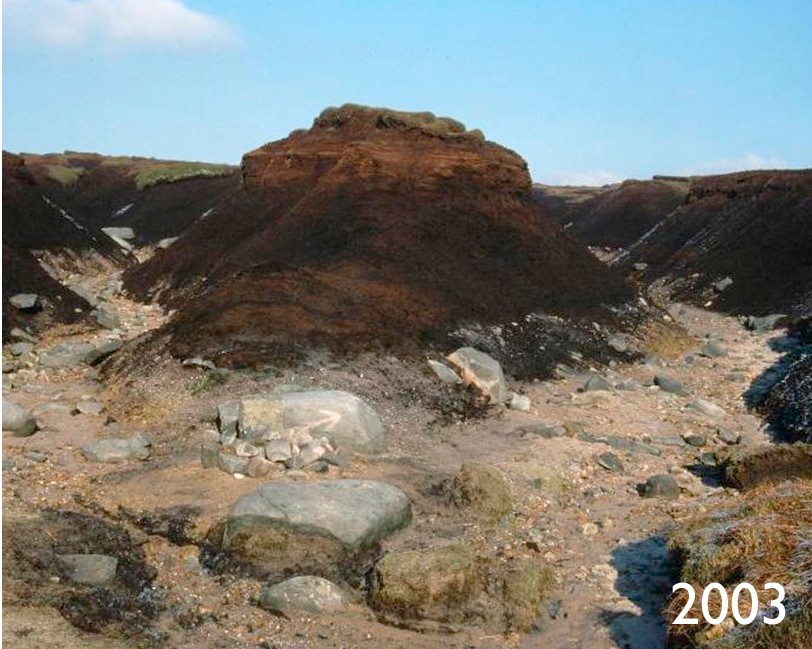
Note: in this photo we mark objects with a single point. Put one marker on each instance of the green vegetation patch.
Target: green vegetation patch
(171, 172)
(64, 174)
(386, 118)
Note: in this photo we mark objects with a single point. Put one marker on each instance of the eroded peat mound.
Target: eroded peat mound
(373, 227)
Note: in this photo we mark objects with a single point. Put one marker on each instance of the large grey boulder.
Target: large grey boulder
(18, 420)
(312, 527)
(340, 416)
(483, 372)
(307, 594)
(25, 301)
(93, 569)
(344, 419)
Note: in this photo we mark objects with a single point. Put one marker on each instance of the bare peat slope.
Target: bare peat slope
(373, 226)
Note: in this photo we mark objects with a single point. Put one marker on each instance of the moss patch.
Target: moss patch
(483, 491)
(64, 174)
(450, 586)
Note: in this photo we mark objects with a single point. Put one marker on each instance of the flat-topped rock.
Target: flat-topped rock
(290, 527)
(306, 594)
(356, 512)
(25, 301)
(344, 419)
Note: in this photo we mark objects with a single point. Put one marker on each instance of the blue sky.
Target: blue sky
(586, 92)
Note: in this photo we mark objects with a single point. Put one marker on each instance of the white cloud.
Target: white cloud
(745, 162)
(594, 178)
(118, 24)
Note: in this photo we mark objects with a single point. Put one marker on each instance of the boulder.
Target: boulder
(25, 301)
(233, 464)
(695, 439)
(85, 292)
(610, 462)
(667, 384)
(341, 417)
(712, 349)
(92, 569)
(17, 420)
(483, 372)
(284, 527)
(117, 450)
(261, 418)
(545, 431)
(619, 343)
(307, 594)
(661, 486)
(595, 383)
(445, 587)
(728, 436)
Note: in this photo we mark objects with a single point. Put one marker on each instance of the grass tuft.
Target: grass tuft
(767, 538)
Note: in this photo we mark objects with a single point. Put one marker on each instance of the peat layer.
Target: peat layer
(371, 227)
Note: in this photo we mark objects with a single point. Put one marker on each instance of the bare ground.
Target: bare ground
(603, 540)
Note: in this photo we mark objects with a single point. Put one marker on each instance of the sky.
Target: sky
(588, 92)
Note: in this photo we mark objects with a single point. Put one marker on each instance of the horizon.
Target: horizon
(587, 94)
